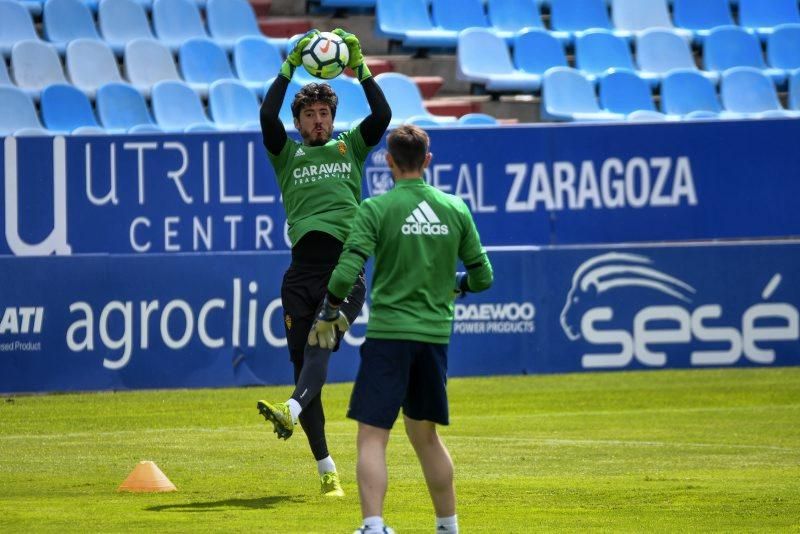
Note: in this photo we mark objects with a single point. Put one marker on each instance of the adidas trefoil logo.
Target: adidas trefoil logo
(423, 221)
(299, 152)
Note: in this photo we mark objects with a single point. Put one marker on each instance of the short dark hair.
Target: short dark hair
(312, 93)
(408, 145)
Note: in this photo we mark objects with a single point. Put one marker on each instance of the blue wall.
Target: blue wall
(526, 186)
(191, 320)
(132, 262)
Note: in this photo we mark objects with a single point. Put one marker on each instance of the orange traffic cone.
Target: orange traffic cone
(146, 476)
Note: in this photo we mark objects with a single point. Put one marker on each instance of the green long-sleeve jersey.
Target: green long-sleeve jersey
(417, 234)
(321, 185)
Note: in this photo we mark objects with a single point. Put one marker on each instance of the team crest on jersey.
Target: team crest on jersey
(288, 320)
(342, 148)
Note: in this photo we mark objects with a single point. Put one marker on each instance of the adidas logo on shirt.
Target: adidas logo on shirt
(423, 221)
(299, 152)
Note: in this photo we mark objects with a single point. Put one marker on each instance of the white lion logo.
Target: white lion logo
(614, 270)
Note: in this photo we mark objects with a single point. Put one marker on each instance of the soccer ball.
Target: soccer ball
(325, 56)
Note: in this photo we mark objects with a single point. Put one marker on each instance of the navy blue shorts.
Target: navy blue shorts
(396, 374)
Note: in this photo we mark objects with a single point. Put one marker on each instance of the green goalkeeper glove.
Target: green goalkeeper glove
(330, 322)
(356, 61)
(294, 59)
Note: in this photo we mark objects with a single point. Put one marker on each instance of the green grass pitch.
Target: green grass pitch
(686, 451)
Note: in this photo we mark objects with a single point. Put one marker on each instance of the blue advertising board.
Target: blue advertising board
(94, 322)
(527, 185)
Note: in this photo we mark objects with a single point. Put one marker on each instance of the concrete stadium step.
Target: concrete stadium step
(361, 25)
(428, 85)
(283, 26)
(289, 8)
(441, 65)
(261, 7)
(453, 106)
(376, 66)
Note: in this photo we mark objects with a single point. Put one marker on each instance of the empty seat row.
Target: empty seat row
(485, 60)
(177, 108)
(91, 64)
(121, 21)
(35, 7)
(745, 92)
(412, 23)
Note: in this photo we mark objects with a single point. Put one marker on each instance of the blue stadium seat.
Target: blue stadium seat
(568, 18)
(644, 115)
(660, 51)
(122, 21)
(684, 92)
(597, 51)
(762, 16)
(177, 21)
(353, 105)
(484, 59)
(701, 17)
(31, 132)
(4, 77)
(34, 7)
(513, 16)
(16, 111)
(537, 50)
(15, 25)
(177, 108)
(409, 23)
(256, 60)
(148, 62)
(232, 105)
(228, 20)
(458, 15)
(65, 109)
(122, 109)
(423, 121)
(35, 65)
(67, 20)
(90, 65)
(404, 97)
(749, 92)
(639, 15)
(567, 95)
(783, 47)
(731, 46)
(202, 63)
(622, 91)
(477, 119)
(794, 90)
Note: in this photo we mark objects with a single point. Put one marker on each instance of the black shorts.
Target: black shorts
(302, 292)
(399, 373)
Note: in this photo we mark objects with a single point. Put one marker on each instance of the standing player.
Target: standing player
(320, 180)
(417, 234)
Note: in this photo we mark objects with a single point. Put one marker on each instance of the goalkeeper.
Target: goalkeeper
(416, 233)
(320, 181)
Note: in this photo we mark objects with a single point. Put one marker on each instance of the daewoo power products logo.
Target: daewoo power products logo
(606, 284)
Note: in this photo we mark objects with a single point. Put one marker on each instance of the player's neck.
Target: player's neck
(414, 175)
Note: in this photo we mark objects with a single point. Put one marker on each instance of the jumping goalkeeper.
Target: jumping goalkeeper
(320, 180)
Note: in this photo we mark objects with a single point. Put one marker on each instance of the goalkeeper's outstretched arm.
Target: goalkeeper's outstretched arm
(375, 124)
(272, 129)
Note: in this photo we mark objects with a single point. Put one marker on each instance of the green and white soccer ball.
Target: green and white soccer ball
(325, 56)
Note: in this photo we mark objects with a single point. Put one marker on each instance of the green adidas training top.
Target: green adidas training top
(321, 185)
(416, 233)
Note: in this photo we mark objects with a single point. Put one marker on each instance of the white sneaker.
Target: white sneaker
(364, 530)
